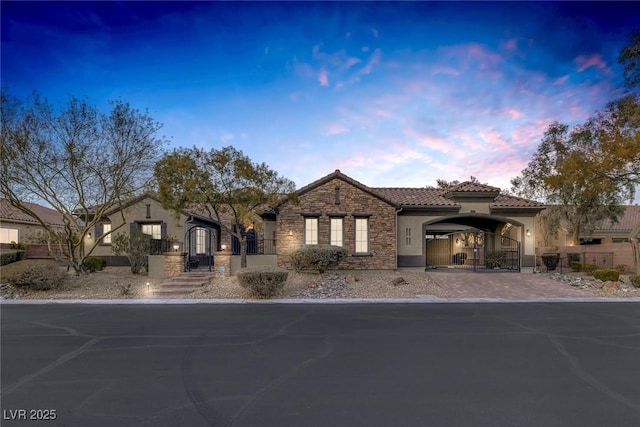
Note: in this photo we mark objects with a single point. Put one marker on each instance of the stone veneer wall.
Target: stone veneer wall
(321, 200)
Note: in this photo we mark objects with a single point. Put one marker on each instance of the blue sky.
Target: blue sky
(392, 94)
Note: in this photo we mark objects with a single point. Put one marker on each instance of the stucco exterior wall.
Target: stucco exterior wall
(138, 213)
(320, 201)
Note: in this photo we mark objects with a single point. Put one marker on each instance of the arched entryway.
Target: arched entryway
(473, 242)
(201, 241)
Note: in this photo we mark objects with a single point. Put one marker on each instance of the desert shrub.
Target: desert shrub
(94, 263)
(589, 268)
(576, 266)
(263, 282)
(136, 247)
(317, 257)
(18, 246)
(607, 275)
(125, 289)
(635, 280)
(11, 255)
(622, 268)
(40, 276)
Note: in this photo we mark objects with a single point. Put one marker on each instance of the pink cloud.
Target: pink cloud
(511, 44)
(560, 80)
(512, 112)
(374, 59)
(587, 61)
(323, 78)
(335, 129)
(449, 71)
(437, 144)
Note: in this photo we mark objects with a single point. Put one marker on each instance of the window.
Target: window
(407, 236)
(336, 232)
(362, 235)
(337, 196)
(154, 230)
(201, 240)
(148, 211)
(8, 235)
(311, 231)
(106, 238)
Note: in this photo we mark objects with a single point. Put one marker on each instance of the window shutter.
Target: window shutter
(163, 230)
(132, 227)
(98, 231)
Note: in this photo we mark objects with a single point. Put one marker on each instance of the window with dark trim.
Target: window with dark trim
(337, 196)
(148, 211)
(361, 235)
(336, 230)
(311, 230)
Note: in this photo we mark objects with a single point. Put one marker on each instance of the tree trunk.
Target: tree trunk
(243, 252)
(575, 235)
(635, 248)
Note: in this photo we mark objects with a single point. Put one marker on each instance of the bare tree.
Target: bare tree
(78, 160)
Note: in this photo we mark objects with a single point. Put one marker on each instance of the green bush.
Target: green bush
(576, 266)
(7, 256)
(94, 263)
(35, 275)
(263, 282)
(635, 280)
(607, 275)
(18, 246)
(317, 257)
(589, 268)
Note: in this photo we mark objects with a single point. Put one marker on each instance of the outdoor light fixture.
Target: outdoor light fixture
(528, 233)
(290, 232)
(176, 247)
(89, 235)
(223, 247)
(148, 286)
(457, 241)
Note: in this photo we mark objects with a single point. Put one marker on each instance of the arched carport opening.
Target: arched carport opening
(478, 242)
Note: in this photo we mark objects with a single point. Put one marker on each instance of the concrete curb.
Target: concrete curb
(421, 300)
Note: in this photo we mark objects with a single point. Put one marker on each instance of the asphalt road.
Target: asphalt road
(537, 364)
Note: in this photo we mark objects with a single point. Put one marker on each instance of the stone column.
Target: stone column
(222, 261)
(173, 264)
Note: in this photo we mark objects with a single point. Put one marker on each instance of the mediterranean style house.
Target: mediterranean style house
(469, 224)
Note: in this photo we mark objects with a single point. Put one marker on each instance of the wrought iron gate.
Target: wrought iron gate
(473, 251)
(200, 242)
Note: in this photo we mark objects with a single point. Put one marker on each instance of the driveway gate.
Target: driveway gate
(480, 251)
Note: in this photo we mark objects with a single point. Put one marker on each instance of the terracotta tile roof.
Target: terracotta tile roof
(503, 200)
(469, 186)
(627, 221)
(11, 213)
(415, 196)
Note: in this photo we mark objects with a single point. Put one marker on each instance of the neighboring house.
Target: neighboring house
(16, 226)
(387, 228)
(185, 232)
(611, 243)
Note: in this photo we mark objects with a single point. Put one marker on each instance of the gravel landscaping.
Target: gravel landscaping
(118, 282)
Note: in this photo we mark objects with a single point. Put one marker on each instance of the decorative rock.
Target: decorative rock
(611, 285)
(350, 278)
(398, 281)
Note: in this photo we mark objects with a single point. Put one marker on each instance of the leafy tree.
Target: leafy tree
(76, 159)
(565, 173)
(443, 183)
(225, 183)
(136, 247)
(629, 58)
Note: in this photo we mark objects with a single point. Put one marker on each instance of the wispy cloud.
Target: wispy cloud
(323, 78)
(584, 62)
